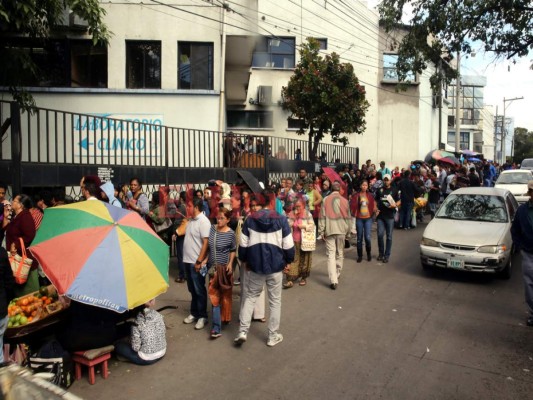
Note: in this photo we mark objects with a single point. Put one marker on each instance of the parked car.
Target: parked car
(527, 163)
(471, 232)
(515, 180)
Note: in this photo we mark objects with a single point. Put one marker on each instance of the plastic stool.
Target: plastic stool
(92, 358)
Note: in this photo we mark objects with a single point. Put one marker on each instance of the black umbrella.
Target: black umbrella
(250, 180)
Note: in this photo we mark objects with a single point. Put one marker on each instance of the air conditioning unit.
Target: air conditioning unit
(264, 95)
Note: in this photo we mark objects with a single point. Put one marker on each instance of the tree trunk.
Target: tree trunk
(312, 155)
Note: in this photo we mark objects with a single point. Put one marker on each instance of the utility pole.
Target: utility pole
(504, 134)
(457, 108)
(495, 136)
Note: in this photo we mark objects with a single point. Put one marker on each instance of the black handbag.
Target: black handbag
(53, 359)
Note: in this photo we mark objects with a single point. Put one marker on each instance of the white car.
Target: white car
(515, 181)
(471, 232)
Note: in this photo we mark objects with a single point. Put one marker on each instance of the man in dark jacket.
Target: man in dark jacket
(267, 247)
(7, 283)
(407, 196)
(522, 233)
(386, 198)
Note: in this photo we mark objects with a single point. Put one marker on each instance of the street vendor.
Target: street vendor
(147, 343)
(7, 283)
(90, 327)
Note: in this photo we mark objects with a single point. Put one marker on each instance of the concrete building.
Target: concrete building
(475, 118)
(220, 66)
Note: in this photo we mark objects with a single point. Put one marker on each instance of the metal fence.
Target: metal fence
(45, 137)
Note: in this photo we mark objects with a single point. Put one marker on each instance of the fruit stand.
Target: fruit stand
(33, 312)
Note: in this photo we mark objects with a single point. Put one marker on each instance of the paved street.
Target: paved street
(390, 331)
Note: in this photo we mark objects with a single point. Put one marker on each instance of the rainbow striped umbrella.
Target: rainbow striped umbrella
(102, 255)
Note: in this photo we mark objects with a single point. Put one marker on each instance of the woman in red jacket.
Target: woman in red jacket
(18, 224)
(363, 207)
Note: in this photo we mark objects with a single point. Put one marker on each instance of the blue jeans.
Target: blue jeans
(198, 291)
(124, 349)
(385, 225)
(217, 319)
(364, 227)
(179, 256)
(405, 214)
(3, 327)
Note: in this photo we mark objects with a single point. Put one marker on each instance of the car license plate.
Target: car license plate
(457, 264)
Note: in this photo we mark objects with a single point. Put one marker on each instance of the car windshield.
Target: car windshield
(473, 207)
(514, 177)
(527, 163)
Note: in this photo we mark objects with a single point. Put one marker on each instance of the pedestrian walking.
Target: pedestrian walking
(333, 226)
(267, 247)
(137, 200)
(363, 208)
(386, 199)
(194, 256)
(522, 233)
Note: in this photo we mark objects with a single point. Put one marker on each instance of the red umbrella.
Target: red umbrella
(334, 176)
(450, 160)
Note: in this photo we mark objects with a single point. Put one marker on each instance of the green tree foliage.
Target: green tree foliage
(523, 144)
(442, 28)
(40, 19)
(326, 96)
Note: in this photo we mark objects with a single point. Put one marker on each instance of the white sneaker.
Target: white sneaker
(274, 340)
(240, 339)
(201, 323)
(189, 320)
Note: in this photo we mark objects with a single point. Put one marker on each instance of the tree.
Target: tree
(325, 95)
(523, 144)
(503, 28)
(39, 19)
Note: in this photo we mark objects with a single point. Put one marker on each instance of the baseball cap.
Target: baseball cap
(386, 176)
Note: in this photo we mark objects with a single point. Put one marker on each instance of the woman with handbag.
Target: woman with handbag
(303, 234)
(19, 227)
(222, 247)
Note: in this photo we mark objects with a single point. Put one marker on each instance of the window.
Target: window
(294, 123)
(249, 119)
(195, 65)
(88, 65)
(464, 141)
(323, 43)
(274, 52)
(390, 74)
(61, 63)
(143, 64)
(471, 103)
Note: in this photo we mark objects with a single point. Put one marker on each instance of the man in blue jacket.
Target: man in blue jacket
(266, 245)
(522, 233)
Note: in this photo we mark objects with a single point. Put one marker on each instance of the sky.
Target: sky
(504, 80)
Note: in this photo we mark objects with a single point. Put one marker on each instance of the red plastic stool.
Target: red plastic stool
(91, 358)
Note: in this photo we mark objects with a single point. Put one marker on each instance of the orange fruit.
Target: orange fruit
(48, 301)
(24, 302)
(30, 319)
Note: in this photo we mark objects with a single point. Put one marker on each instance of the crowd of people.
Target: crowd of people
(223, 231)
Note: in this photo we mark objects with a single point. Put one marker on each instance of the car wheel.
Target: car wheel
(505, 273)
